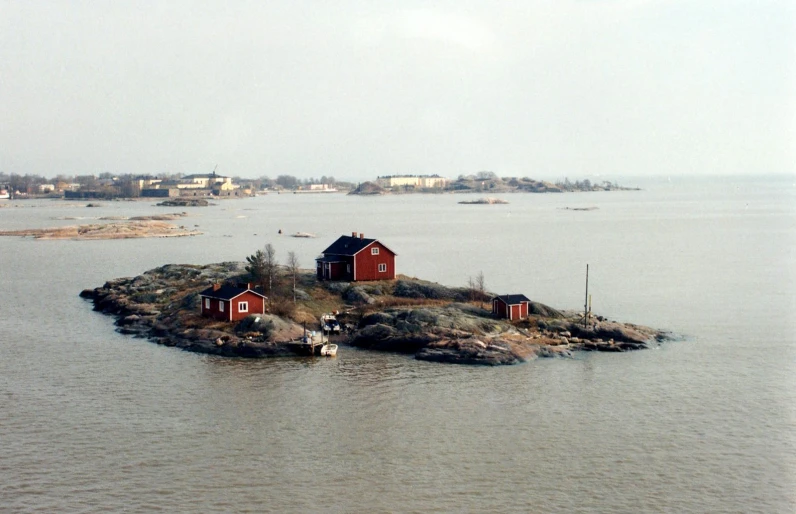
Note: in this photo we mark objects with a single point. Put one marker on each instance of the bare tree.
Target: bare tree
(471, 288)
(293, 267)
(479, 286)
(270, 266)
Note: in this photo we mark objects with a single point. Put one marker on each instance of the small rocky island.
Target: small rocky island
(407, 315)
(120, 228)
(484, 201)
(184, 202)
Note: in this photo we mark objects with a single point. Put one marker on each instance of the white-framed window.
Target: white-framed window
(243, 306)
(382, 268)
(220, 306)
(374, 251)
(207, 303)
(348, 268)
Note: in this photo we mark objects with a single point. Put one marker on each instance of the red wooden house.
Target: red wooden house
(230, 303)
(510, 306)
(354, 258)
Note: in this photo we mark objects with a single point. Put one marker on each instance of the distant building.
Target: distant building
(420, 181)
(229, 303)
(146, 182)
(510, 306)
(159, 192)
(205, 181)
(354, 258)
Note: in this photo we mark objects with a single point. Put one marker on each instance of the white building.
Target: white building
(421, 181)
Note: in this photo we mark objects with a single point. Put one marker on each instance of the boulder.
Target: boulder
(357, 295)
(540, 309)
(377, 317)
(427, 290)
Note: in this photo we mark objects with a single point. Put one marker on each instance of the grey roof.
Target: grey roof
(226, 292)
(512, 299)
(329, 258)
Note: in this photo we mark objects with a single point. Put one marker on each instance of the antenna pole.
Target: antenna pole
(586, 301)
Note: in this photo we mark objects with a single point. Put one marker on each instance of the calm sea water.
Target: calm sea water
(94, 421)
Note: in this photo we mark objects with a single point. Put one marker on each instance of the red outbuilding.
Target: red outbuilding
(229, 303)
(354, 259)
(510, 306)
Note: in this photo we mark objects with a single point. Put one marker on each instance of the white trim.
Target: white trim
(241, 306)
(221, 306)
(374, 250)
(382, 270)
(230, 299)
(355, 268)
(207, 303)
(374, 242)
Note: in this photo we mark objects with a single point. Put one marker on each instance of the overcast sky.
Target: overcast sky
(355, 89)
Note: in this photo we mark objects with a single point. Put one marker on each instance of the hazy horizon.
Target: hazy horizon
(354, 89)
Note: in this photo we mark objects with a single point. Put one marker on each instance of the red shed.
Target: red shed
(229, 303)
(354, 258)
(510, 306)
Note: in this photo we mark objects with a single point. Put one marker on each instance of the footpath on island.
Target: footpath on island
(407, 315)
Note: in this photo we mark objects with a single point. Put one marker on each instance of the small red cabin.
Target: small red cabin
(354, 259)
(510, 306)
(229, 303)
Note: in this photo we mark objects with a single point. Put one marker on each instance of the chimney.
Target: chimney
(216, 287)
(361, 235)
(353, 234)
(249, 285)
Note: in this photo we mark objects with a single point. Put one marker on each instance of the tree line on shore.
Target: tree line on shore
(126, 184)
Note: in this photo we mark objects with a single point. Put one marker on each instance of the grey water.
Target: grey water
(95, 421)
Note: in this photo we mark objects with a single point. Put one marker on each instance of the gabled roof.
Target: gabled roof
(227, 292)
(348, 245)
(512, 299)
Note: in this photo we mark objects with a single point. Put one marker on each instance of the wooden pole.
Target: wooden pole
(586, 301)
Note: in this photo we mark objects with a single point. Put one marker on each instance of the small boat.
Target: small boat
(330, 324)
(329, 350)
(4, 194)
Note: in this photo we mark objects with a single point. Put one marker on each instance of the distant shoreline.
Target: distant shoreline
(492, 185)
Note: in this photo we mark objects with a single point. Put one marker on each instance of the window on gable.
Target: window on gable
(243, 306)
(382, 268)
(374, 251)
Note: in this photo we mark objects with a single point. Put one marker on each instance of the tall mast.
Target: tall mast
(586, 301)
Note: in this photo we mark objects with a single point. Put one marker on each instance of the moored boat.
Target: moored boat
(330, 324)
(329, 350)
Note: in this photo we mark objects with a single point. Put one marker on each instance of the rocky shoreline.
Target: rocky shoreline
(407, 315)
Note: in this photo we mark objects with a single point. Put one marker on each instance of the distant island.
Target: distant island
(487, 182)
(484, 201)
(427, 320)
(119, 228)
